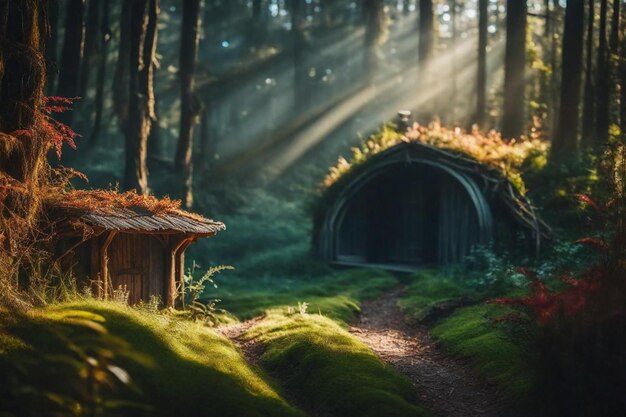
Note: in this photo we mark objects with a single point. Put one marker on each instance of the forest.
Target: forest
(332, 208)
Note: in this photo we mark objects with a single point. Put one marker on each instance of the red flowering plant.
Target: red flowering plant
(54, 131)
(578, 322)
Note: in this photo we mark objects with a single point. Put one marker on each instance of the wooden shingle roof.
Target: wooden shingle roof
(127, 212)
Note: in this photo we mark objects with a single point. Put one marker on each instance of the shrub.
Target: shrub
(579, 325)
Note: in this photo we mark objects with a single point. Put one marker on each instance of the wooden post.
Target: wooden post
(171, 269)
(180, 262)
(104, 265)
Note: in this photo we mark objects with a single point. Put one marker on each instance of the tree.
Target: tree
(122, 67)
(622, 72)
(615, 29)
(481, 81)
(565, 143)
(142, 50)
(589, 108)
(51, 46)
(298, 45)
(514, 63)
(426, 32)
(105, 37)
(190, 103)
(90, 45)
(72, 54)
(602, 83)
(375, 33)
(23, 143)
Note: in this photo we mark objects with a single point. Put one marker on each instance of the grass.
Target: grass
(496, 354)
(468, 333)
(181, 368)
(336, 296)
(427, 291)
(329, 371)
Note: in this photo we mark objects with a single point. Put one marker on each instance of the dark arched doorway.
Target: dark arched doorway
(407, 215)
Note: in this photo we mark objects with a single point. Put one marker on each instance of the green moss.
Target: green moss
(497, 355)
(182, 368)
(337, 296)
(428, 290)
(329, 371)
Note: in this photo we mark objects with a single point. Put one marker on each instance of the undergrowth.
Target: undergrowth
(154, 365)
(337, 296)
(329, 371)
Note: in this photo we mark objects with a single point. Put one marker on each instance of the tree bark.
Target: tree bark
(589, 108)
(190, 103)
(52, 40)
(143, 30)
(615, 27)
(513, 120)
(22, 160)
(426, 32)
(565, 143)
(298, 45)
(122, 68)
(374, 35)
(603, 74)
(72, 54)
(105, 37)
(622, 72)
(90, 49)
(481, 81)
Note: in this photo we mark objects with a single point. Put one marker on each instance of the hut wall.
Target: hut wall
(137, 262)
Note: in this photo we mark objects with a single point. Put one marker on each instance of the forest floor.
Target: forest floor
(445, 386)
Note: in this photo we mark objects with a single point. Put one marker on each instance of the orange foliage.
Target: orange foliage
(490, 149)
(112, 202)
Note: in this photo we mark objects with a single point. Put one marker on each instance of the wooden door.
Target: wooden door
(132, 282)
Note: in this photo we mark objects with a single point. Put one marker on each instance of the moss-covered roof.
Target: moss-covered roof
(488, 149)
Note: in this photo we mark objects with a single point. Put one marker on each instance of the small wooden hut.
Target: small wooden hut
(415, 205)
(127, 241)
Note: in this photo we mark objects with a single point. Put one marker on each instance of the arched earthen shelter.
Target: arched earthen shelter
(415, 205)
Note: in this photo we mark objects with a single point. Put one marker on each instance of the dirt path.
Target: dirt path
(446, 387)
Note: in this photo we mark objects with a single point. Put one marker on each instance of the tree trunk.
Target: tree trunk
(426, 32)
(52, 40)
(206, 144)
(298, 45)
(622, 70)
(105, 37)
(481, 82)
(374, 33)
(545, 78)
(513, 120)
(122, 68)
(22, 160)
(143, 30)
(603, 74)
(90, 49)
(72, 55)
(565, 143)
(589, 109)
(190, 103)
(615, 29)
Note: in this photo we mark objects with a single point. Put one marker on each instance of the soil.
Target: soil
(446, 387)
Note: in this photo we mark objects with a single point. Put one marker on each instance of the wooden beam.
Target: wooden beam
(180, 262)
(104, 265)
(171, 270)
